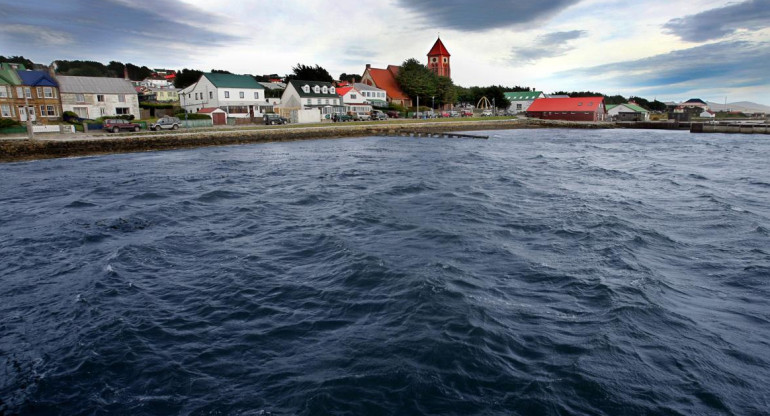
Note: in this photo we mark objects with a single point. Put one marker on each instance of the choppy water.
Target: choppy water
(541, 272)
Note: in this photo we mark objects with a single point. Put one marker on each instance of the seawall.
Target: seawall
(44, 148)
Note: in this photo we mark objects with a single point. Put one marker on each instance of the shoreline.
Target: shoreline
(22, 149)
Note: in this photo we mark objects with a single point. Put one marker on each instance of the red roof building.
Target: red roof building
(386, 79)
(438, 59)
(571, 109)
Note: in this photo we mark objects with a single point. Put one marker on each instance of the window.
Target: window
(256, 95)
(5, 110)
(82, 112)
(47, 111)
(227, 94)
(81, 98)
(317, 89)
(121, 98)
(48, 92)
(100, 98)
(122, 110)
(28, 92)
(102, 111)
(518, 106)
(331, 90)
(326, 101)
(241, 94)
(325, 90)
(211, 95)
(39, 92)
(306, 89)
(19, 92)
(318, 100)
(3, 91)
(353, 96)
(434, 60)
(446, 60)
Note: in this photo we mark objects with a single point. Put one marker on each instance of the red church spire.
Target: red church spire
(438, 59)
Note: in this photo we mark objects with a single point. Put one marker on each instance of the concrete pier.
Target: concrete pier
(730, 128)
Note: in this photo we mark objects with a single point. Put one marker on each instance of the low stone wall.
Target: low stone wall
(730, 128)
(15, 150)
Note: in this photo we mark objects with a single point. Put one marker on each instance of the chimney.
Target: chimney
(125, 72)
(368, 66)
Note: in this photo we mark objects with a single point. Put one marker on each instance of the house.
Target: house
(385, 79)
(707, 114)
(11, 102)
(305, 95)
(571, 109)
(377, 97)
(163, 95)
(94, 97)
(42, 96)
(627, 112)
(218, 116)
(240, 96)
(353, 100)
(521, 100)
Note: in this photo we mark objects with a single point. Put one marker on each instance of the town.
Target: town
(47, 99)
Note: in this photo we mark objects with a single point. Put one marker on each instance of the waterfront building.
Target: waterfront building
(306, 95)
(627, 112)
(240, 96)
(521, 100)
(377, 97)
(570, 109)
(353, 100)
(11, 102)
(94, 97)
(385, 79)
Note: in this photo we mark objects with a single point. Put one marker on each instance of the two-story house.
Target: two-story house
(353, 100)
(28, 95)
(300, 95)
(377, 97)
(240, 96)
(94, 97)
(9, 102)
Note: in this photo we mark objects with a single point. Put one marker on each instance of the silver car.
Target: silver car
(165, 123)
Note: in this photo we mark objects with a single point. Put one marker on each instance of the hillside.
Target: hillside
(743, 106)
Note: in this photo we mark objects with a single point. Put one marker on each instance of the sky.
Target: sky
(670, 50)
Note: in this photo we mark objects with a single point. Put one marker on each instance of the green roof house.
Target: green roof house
(521, 100)
(9, 80)
(240, 96)
(627, 112)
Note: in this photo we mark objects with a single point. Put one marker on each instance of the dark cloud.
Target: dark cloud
(718, 23)
(729, 64)
(546, 46)
(467, 15)
(99, 27)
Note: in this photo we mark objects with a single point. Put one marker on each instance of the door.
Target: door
(219, 118)
(25, 112)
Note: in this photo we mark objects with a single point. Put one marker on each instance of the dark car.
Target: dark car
(115, 125)
(379, 115)
(394, 114)
(340, 117)
(272, 118)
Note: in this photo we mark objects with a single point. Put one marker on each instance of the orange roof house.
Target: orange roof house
(386, 79)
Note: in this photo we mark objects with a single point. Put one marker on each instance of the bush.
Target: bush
(69, 115)
(128, 117)
(156, 105)
(7, 122)
(192, 116)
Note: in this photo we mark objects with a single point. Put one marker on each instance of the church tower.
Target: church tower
(438, 59)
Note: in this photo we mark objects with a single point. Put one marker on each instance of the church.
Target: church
(438, 62)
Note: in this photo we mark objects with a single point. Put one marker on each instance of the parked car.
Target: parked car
(272, 118)
(466, 113)
(115, 125)
(165, 123)
(361, 117)
(340, 117)
(454, 113)
(379, 115)
(486, 113)
(394, 114)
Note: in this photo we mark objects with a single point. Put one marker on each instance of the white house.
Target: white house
(521, 100)
(377, 97)
(627, 112)
(353, 100)
(93, 97)
(240, 96)
(707, 114)
(304, 95)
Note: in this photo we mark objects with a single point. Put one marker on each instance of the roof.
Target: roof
(298, 84)
(386, 79)
(94, 85)
(343, 90)
(37, 79)
(8, 75)
(695, 101)
(273, 85)
(636, 108)
(209, 110)
(567, 104)
(522, 95)
(233, 81)
(364, 87)
(438, 49)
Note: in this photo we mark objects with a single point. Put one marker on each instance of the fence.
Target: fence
(13, 130)
(197, 123)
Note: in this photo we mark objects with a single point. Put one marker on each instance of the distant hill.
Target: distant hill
(743, 106)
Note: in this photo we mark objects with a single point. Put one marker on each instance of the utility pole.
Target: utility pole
(30, 129)
(417, 109)
(432, 103)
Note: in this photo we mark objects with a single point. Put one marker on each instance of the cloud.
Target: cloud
(470, 16)
(108, 26)
(547, 46)
(718, 23)
(728, 64)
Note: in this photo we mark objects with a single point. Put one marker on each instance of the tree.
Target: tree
(116, 68)
(18, 60)
(136, 73)
(220, 71)
(350, 77)
(187, 77)
(310, 73)
(446, 92)
(416, 80)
